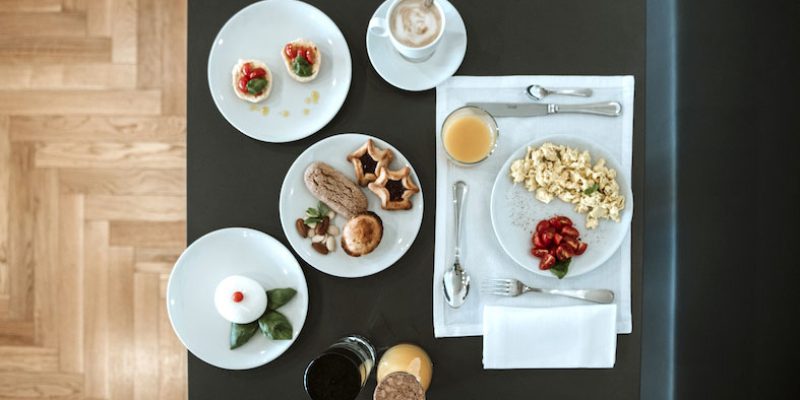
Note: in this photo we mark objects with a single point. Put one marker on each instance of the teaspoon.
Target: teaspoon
(455, 281)
(537, 92)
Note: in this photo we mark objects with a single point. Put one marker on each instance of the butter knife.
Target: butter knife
(606, 109)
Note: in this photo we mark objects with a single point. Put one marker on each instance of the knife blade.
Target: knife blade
(606, 109)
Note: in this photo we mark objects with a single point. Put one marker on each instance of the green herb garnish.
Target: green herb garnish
(560, 268)
(256, 86)
(275, 326)
(301, 67)
(279, 297)
(591, 189)
(241, 333)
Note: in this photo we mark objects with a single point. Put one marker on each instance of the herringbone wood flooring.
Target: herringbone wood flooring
(92, 197)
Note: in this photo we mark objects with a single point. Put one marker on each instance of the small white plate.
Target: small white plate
(210, 259)
(400, 228)
(515, 213)
(407, 75)
(260, 31)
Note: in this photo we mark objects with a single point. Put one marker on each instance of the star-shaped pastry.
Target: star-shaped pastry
(394, 188)
(367, 160)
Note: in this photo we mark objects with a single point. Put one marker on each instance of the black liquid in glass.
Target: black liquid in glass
(335, 375)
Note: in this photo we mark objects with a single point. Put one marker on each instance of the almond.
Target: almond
(320, 248)
(322, 227)
(302, 229)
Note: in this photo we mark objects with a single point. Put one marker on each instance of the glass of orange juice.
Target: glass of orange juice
(469, 135)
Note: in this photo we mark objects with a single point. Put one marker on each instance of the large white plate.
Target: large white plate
(515, 212)
(190, 294)
(260, 31)
(417, 76)
(400, 228)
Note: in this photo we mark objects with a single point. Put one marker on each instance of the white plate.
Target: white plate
(260, 31)
(407, 75)
(400, 228)
(515, 213)
(190, 294)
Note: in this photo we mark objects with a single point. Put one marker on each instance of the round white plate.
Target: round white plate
(515, 213)
(210, 259)
(407, 75)
(260, 31)
(400, 228)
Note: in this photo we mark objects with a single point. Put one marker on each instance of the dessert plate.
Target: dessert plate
(417, 76)
(206, 262)
(293, 110)
(515, 212)
(400, 228)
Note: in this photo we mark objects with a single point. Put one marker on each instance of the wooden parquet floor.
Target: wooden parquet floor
(92, 197)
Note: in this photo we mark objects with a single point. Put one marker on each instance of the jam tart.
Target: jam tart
(368, 160)
(394, 188)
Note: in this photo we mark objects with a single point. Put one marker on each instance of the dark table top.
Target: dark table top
(234, 181)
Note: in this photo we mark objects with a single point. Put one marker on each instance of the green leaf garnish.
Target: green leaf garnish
(560, 268)
(312, 220)
(256, 85)
(301, 67)
(591, 189)
(275, 326)
(323, 209)
(278, 297)
(241, 333)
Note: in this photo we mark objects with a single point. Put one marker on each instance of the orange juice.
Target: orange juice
(468, 138)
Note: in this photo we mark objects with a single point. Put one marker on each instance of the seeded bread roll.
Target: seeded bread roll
(399, 386)
(334, 189)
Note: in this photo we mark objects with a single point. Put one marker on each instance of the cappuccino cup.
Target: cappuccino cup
(413, 29)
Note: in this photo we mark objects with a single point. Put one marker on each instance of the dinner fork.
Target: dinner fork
(512, 288)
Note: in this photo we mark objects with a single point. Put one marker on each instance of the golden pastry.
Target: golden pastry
(367, 160)
(362, 234)
(394, 188)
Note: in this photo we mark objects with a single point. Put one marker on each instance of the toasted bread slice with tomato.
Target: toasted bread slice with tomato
(308, 50)
(237, 74)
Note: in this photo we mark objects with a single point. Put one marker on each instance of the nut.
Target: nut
(333, 230)
(330, 244)
(302, 229)
(322, 227)
(311, 225)
(317, 238)
(331, 215)
(320, 248)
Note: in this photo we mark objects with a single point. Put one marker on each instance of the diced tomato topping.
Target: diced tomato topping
(571, 243)
(290, 51)
(547, 262)
(557, 238)
(581, 248)
(242, 84)
(539, 252)
(537, 241)
(547, 238)
(564, 221)
(309, 55)
(555, 222)
(257, 73)
(542, 225)
(563, 253)
(570, 231)
(246, 68)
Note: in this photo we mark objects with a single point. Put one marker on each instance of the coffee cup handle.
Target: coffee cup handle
(377, 26)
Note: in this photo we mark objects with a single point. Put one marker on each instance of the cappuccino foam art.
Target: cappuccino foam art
(415, 25)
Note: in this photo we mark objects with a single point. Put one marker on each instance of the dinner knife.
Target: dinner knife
(606, 109)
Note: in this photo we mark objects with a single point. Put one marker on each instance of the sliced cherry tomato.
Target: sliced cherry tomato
(557, 238)
(242, 84)
(537, 241)
(547, 238)
(309, 56)
(555, 222)
(542, 225)
(238, 297)
(257, 73)
(247, 68)
(581, 248)
(290, 51)
(563, 253)
(570, 231)
(536, 252)
(547, 262)
(564, 221)
(571, 243)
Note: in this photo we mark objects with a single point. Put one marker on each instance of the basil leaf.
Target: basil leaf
(591, 189)
(323, 209)
(312, 212)
(275, 325)
(256, 86)
(561, 268)
(278, 297)
(301, 67)
(241, 333)
(314, 220)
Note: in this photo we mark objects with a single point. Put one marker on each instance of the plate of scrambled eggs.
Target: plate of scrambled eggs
(562, 175)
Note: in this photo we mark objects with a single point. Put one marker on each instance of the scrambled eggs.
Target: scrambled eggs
(560, 171)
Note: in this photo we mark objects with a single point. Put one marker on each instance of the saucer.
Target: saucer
(417, 76)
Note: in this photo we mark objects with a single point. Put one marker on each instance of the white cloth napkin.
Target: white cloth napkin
(483, 257)
(549, 337)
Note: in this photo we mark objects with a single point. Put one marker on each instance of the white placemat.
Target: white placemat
(482, 255)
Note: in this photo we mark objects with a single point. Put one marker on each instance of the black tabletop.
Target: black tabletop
(234, 181)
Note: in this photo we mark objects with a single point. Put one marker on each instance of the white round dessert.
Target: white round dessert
(253, 302)
(237, 73)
